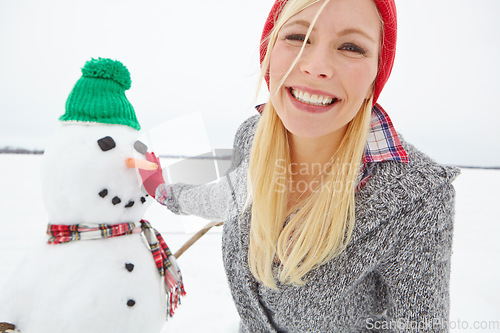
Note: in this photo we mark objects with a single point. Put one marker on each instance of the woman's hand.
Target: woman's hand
(151, 179)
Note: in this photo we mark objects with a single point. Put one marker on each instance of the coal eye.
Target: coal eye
(141, 147)
(106, 143)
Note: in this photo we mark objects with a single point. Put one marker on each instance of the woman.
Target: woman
(332, 222)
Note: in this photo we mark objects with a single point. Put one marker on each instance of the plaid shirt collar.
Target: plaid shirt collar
(383, 143)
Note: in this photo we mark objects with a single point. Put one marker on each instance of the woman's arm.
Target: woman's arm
(418, 273)
(215, 201)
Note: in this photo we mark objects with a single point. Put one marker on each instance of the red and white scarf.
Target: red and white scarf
(165, 261)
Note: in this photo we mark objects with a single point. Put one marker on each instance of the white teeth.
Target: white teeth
(300, 95)
(307, 98)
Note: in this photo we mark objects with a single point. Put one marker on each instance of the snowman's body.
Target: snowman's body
(104, 285)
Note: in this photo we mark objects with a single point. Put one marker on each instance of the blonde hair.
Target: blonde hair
(322, 224)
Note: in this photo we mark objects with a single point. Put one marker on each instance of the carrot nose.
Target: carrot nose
(140, 164)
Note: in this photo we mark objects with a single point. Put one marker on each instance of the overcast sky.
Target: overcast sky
(202, 56)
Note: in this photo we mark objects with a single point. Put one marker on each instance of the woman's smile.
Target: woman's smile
(310, 100)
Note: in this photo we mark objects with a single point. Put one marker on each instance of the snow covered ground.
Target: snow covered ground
(208, 306)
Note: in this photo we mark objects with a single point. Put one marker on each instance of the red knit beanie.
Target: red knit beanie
(387, 9)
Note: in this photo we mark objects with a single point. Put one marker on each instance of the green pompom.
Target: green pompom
(108, 69)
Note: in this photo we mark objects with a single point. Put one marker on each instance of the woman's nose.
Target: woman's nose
(317, 61)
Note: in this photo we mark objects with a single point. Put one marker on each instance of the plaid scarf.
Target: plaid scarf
(164, 260)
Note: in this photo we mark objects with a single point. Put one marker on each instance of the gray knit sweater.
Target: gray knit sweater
(392, 277)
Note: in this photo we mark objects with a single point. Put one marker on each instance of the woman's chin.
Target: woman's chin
(309, 132)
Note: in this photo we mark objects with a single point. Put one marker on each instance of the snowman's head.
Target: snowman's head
(85, 178)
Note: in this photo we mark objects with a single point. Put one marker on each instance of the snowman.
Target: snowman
(103, 268)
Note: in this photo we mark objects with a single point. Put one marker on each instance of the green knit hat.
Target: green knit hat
(99, 95)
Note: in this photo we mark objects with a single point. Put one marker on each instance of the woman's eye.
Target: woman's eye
(353, 48)
(296, 38)
(350, 47)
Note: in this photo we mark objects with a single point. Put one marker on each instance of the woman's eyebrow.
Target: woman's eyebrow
(298, 22)
(349, 31)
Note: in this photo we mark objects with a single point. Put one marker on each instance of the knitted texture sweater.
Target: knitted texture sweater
(392, 277)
